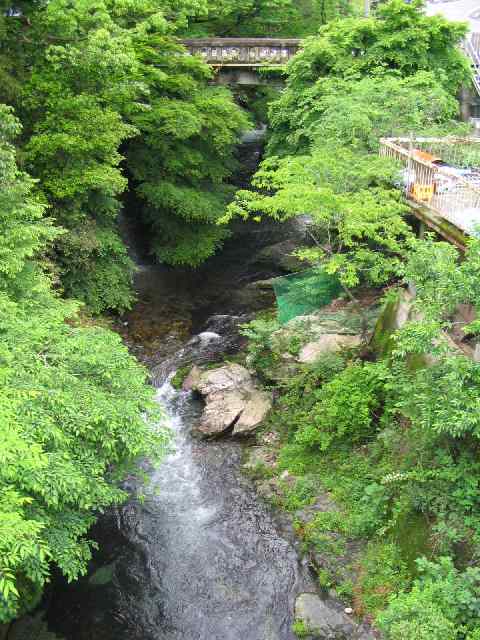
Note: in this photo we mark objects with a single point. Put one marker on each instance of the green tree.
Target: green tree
(352, 210)
(399, 39)
(83, 71)
(267, 18)
(183, 153)
(358, 112)
(94, 76)
(75, 409)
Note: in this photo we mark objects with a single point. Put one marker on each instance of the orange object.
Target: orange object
(423, 192)
(424, 156)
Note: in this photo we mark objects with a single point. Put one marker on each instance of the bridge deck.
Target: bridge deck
(243, 52)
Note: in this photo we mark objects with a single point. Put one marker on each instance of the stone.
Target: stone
(322, 618)
(221, 412)
(255, 296)
(327, 343)
(280, 256)
(256, 408)
(227, 377)
(260, 457)
(232, 399)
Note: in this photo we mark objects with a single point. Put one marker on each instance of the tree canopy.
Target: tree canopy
(271, 18)
(102, 87)
(75, 410)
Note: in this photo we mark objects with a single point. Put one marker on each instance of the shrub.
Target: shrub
(444, 604)
(346, 407)
(260, 353)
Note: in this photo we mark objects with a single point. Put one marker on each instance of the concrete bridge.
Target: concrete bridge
(238, 60)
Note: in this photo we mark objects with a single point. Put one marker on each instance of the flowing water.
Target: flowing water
(198, 558)
(194, 554)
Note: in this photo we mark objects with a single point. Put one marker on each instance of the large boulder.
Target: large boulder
(232, 400)
(326, 620)
(280, 256)
(255, 296)
(257, 405)
(328, 343)
(229, 377)
(222, 410)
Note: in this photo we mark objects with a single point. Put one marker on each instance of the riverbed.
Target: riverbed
(193, 555)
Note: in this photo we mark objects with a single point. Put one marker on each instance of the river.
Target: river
(194, 554)
(198, 558)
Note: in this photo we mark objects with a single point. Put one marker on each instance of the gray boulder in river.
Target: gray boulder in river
(232, 399)
(326, 620)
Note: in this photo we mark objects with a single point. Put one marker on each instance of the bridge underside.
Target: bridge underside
(246, 75)
(436, 223)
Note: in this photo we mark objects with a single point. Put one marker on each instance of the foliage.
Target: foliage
(393, 442)
(357, 112)
(75, 409)
(411, 487)
(23, 230)
(299, 629)
(383, 572)
(71, 109)
(183, 154)
(179, 377)
(442, 604)
(346, 89)
(105, 85)
(260, 346)
(400, 39)
(344, 408)
(351, 220)
(267, 18)
(442, 279)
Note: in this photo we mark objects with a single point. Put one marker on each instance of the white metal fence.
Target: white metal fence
(450, 192)
(472, 48)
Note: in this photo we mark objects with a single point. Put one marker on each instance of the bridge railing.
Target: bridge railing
(448, 191)
(249, 52)
(472, 49)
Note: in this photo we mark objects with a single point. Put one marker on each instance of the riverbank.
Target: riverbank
(307, 488)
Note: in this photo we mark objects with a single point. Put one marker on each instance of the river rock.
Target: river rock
(280, 256)
(327, 343)
(256, 408)
(326, 620)
(193, 379)
(222, 410)
(232, 399)
(226, 378)
(255, 296)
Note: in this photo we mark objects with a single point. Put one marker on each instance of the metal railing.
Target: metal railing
(472, 49)
(451, 193)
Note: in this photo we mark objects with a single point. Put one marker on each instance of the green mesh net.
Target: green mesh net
(301, 293)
